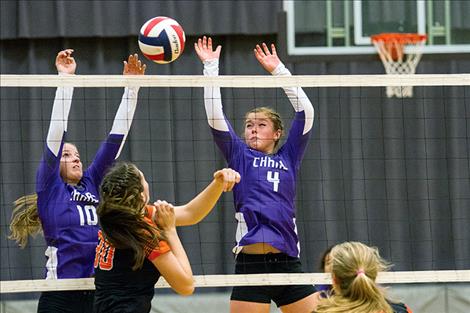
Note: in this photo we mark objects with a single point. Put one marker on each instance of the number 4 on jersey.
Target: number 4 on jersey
(274, 178)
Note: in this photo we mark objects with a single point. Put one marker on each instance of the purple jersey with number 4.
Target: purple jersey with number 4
(68, 213)
(264, 198)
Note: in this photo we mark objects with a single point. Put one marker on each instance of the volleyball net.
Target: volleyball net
(390, 172)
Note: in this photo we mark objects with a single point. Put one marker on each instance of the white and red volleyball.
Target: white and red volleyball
(162, 39)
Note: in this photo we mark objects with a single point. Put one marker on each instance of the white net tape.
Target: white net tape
(239, 81)
(410, 277)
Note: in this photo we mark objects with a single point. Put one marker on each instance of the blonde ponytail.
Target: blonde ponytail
(25, 220)
(355, 267)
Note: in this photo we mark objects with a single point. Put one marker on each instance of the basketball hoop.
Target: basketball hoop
(391, 49)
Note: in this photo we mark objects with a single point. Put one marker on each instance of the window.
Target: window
(344, 26)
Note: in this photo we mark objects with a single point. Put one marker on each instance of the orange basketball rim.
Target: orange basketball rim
(393, 44)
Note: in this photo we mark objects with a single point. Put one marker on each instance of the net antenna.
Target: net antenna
(391, 49)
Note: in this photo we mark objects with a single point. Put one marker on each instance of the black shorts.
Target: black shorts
(121, 303)
(269, 263)
(66, 301)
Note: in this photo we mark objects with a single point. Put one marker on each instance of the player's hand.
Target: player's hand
(134, 66)
(228, 178)
(268, 60)
(204, 49)
(165, 215)
(65, 63)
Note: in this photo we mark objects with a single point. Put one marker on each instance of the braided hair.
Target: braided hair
(121, 213)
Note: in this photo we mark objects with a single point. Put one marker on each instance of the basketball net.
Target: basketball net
(391, 49)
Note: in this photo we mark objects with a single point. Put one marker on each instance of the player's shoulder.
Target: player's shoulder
(399, 307)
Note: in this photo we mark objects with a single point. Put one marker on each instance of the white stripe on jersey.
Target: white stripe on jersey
(242, 230)
(51, 265)
(298, 241)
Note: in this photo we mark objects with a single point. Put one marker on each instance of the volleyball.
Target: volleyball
(162, 39)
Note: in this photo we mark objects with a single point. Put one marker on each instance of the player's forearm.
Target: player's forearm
(213, 98)
(59, 118)
(125, 114)
(201, 205)
(297, 97)
(177, 248)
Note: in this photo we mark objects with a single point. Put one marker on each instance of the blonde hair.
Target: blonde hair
(274, 117)
(355, 267)
(25, 219)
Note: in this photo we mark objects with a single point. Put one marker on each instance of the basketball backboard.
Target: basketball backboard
(342, 27)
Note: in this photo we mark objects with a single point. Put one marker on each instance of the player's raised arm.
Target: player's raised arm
(125, 113)
(270, 61)
(212, 98)
(66, 65)
(111, 148)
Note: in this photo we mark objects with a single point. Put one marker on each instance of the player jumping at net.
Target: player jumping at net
(64, 205)
(267, 240)
(354, 267)
(139, 242)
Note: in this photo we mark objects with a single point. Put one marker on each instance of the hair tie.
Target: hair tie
(360, 271)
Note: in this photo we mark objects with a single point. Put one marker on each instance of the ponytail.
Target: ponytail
(25, 220)
(355, 267)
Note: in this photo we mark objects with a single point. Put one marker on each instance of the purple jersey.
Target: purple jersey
(264, 198)
(68, 213)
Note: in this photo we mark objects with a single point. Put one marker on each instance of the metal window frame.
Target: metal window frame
(360, 39)
(438, 30)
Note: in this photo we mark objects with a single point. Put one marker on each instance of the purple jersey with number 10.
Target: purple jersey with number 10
(264, 198)
(68, 213)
